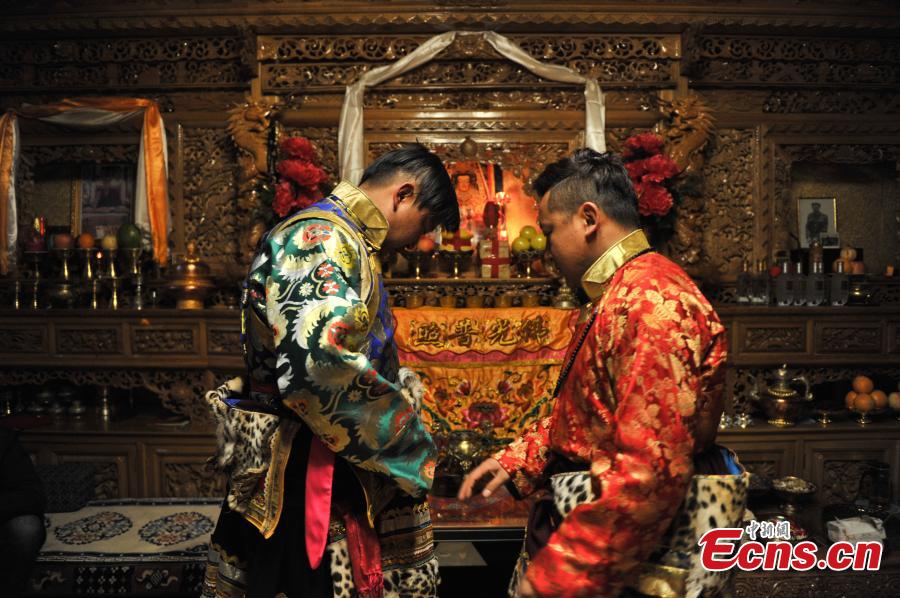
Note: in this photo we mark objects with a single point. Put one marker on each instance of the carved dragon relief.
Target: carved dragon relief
(248, 126)
(687, 128)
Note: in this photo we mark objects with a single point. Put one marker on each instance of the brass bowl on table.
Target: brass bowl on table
(793, 490)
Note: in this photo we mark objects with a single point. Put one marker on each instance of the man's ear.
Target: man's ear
(406, 191)
(590, 216)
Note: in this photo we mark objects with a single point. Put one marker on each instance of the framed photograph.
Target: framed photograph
(817, 220)
(103, 198)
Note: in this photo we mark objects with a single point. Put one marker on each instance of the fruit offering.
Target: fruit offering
(109, 243)
(461, 240)
(62, 241)
(129, 236)
(425, 244)
(529, 239)
(865, 398)
(85, 240)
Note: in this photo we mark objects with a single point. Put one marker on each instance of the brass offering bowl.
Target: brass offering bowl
(793, 490)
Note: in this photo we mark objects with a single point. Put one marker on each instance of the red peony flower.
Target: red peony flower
(660, 167)
(643, 144)
(305, 174)
(636, 169)
(653, 199)
(284, 199)
(300, 148)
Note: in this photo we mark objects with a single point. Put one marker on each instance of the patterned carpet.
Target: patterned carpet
(143, 547)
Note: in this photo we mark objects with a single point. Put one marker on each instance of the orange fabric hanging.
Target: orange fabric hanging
(7, 153)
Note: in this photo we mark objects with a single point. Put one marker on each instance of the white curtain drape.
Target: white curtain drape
(351, 151)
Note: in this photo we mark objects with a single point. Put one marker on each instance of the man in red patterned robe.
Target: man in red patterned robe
(639, 396)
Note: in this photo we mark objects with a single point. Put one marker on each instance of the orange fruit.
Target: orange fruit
(863, 402)
(85, 240)
(863, 384)
(894, 401)
(880, 399)
(425, 245)
(849, 398)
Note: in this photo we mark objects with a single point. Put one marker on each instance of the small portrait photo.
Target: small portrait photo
(817, 220)
(107, 197)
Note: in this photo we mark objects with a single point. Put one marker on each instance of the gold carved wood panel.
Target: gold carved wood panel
(211, 214)
(323, 63)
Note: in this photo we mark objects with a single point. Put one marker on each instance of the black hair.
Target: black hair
(436, 193)
(553, 174)
(591, 176)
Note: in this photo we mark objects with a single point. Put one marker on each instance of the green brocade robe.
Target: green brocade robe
(318, 331)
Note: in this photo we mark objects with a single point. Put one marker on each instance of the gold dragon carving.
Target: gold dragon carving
(248, 126)
(687, 126)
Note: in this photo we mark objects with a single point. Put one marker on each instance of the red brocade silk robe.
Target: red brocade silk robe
(646, 379)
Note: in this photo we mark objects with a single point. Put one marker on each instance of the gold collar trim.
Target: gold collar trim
(597, 276)
(363, 212)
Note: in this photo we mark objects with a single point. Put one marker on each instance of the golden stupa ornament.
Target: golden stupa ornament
(191, 280)
(468, 148)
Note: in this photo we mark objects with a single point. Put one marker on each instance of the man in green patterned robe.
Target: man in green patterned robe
(327, 459)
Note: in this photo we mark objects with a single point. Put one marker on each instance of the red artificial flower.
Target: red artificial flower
(636, 169)
(653, 199)
(660, 167)
(299, 148)
(643, 144)
(305, 174)
(284, 199)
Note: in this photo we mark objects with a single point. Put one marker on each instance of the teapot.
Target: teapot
(780, 401)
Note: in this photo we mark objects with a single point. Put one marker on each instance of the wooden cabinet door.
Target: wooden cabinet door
(836, 465)
(117, 464)
(181, 471)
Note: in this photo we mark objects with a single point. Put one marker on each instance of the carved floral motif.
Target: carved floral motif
(97, 340)
(775, 339)
(191, 480)
(157, 340)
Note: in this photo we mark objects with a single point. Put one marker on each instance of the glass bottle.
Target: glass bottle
(816, 291)
(744, 284)
(838, 285)
(801, 283)
(760, 291)
(784, 285)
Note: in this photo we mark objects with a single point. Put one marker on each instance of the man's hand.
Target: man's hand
(489, 467)
(526, 590)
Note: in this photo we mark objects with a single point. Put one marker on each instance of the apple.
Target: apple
(528, 232)
(539, 242)
(109, 242)
(520, 244)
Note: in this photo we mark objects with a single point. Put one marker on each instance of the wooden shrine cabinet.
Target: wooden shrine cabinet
(154, 365)
(158, 441)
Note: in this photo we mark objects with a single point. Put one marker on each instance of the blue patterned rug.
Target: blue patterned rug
(140, 547)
